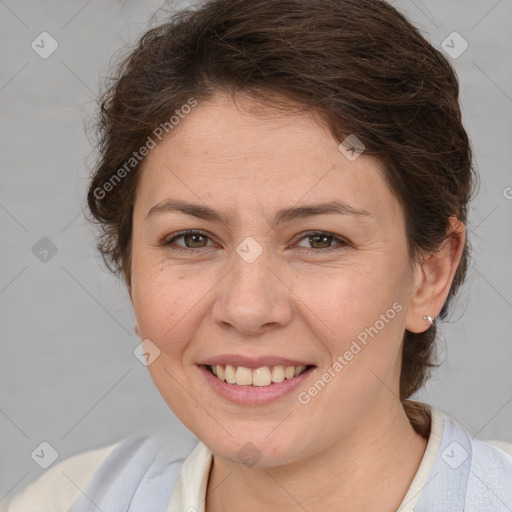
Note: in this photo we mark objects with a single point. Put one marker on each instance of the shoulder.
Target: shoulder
(466, 473)
(60, 485)
(484, 470)
(122, 473)
(502, 445)
(490, 476)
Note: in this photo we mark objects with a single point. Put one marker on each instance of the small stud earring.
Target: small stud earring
(429, 319)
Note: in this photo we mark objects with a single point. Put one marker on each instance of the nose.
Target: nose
(252, 298)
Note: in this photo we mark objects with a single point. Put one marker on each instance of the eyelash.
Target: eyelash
(200, 250)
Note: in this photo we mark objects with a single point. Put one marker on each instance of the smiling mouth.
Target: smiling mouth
(261, 377)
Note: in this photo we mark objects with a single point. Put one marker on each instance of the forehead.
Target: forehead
(223, 132)
(249, 156)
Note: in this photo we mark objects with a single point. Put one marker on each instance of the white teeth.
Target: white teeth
(230, 374)
(278, 374)
(289, 372)
(261, 376)
(299, 370)
(264, 376)
(243, 376)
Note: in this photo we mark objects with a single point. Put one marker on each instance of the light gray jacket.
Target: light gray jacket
(468, 475)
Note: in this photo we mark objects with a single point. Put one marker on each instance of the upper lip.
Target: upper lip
(253, 362)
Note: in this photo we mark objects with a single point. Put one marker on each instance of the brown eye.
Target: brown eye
(194, 240)
(191, 239)
(322, 241)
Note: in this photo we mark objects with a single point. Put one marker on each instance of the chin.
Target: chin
(251, 449)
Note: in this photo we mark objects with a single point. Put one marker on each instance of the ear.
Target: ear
(433, 278)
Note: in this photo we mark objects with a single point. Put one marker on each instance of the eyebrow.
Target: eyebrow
(282, 216)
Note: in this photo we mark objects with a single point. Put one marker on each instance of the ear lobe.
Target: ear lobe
(434, 277)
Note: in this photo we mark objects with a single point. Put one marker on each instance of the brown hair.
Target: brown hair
(358, 64)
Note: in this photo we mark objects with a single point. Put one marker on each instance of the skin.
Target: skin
(351, 447)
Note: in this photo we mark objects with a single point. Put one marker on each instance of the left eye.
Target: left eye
(321, 240)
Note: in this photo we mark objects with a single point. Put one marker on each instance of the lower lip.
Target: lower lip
(254, 395)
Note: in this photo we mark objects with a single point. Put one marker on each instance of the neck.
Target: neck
(369, 469)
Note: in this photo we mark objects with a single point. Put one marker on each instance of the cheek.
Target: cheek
(167, 301)
(363, 317)
(352, 298)
(367, 317)
(156, 298)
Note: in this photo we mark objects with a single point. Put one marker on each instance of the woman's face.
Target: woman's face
(279, 279)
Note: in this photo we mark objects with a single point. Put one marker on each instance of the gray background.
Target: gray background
(68, 373)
